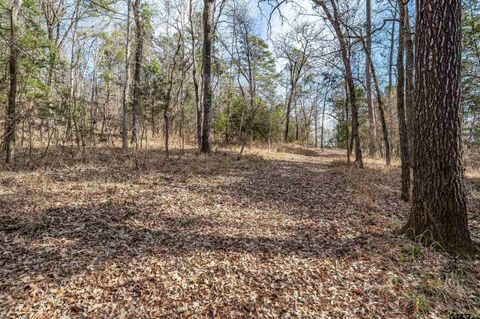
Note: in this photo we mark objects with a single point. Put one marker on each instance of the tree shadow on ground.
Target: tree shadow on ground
(305, 202)
(173, 210)
(309, 152)
(65, 242)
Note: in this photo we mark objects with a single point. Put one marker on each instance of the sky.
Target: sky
(282, 19)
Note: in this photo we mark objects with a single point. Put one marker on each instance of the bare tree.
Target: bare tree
(333, 16)
(296, 47)
(169, 97)
(328, 88)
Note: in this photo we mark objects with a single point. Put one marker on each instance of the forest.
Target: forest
(240, 159)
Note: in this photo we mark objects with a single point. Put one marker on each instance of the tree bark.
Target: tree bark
(402, 125)
(410, 76)
(390, 109)
(136, 99)
(198, 106)
(315, 105)
(126, 86)
(439, 212)
(381, 108)
(11, 114)
(207, 73)
(372, 138)
(167, 109)
(323, 121)
(390, 56)
(70, 105)
(347, 129)
(287, 116)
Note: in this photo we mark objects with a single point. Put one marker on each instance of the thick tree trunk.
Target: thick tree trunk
(11, 114)
(207, 73)
(126, 86)
(439, 212)
(372, 138)
(402, 124)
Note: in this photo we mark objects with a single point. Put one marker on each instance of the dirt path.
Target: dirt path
(294, 233)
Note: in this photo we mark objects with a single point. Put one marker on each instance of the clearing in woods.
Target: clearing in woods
(291, 233)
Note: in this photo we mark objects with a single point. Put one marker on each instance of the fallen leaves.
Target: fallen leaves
(286, 234)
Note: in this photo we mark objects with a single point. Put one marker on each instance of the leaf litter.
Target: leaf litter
(288, 233)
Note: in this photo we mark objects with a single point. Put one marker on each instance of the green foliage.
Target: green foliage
(431, 287)
(421, 304)
(240, 109)
(411, 252)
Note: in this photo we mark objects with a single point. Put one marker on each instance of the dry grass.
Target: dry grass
(286, 233)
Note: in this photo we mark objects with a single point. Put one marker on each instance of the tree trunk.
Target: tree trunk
(287, 116)
(322, 143)
(126, 86)
(11, 114)
(381, 109)
(198, 106)
(316, 121)
(296, 123)
(166, 110)
(70, 105)
(138, 67)
(410, 77)
(390, 109)
(93, 114)
(439, 212)
(207, 73)
(372, 138)
(347, 129)
(390, 56)
(402, 125)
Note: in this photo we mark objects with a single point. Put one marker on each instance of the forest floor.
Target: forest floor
(287, 233)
